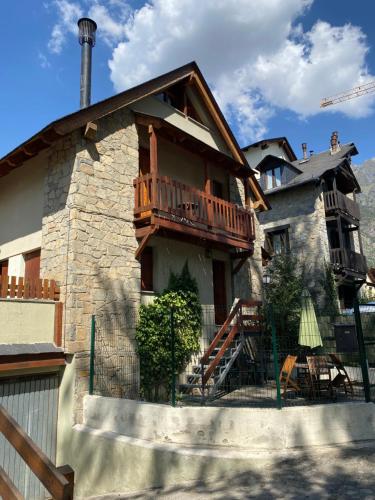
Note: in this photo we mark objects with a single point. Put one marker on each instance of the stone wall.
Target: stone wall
(248, 281)
(303, 210)
(88, 240)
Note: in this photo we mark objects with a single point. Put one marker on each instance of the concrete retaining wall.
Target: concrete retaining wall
(243, 428)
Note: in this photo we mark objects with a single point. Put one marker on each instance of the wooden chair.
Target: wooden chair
(342, 378)
(320, 375)
(286, 380)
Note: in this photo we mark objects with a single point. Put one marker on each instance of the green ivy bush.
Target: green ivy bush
(153, 334)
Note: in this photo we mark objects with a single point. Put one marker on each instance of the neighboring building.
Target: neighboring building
(314, 212)
(109, 200)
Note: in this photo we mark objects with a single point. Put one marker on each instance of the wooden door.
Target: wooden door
(220, 291)
(32, 265)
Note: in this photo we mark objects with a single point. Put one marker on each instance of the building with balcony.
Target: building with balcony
(314, 214)
(108, 201)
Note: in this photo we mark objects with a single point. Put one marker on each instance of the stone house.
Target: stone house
(109, 200)
(314, 212)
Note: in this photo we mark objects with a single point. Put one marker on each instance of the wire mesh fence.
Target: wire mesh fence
(256, 359)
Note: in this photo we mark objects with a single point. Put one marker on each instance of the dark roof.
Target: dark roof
(283, 140)
(316, 166)
(17, 349)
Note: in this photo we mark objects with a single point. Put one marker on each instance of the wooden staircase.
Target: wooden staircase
(207, 379)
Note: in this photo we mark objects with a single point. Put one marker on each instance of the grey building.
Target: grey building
(314, 212)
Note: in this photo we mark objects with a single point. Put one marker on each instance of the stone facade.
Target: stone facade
(88, 240)
(304, 212)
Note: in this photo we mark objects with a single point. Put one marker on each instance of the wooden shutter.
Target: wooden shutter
(32, 264)
(147, 270)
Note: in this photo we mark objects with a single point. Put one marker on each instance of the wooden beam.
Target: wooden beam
(7, 489)
(39, 463)
(145, 240)
(217, 119)
(57, 338)
(153, 150)
(202, 234)
(25, 365)
(91, 131)
(239, 265)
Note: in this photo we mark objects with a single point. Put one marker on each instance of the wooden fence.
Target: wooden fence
(28, 289)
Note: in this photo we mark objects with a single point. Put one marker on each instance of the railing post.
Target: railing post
(173, 352)
(92, 356)
(361, 347)
(275, 356)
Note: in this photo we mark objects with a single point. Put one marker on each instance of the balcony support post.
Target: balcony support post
(245, 181)
(341, 239)
(208, 191)
(153, 163)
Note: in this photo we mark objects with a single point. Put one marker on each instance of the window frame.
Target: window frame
(283, 233)
(271, 175)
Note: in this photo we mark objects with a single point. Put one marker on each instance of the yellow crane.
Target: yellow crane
(366, 88)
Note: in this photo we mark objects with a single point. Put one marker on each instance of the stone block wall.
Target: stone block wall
(303, 209)
(88, 240)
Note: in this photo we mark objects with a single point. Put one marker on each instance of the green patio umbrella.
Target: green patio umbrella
(309, 334)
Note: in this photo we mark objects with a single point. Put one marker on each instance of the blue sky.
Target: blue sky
(268, 62)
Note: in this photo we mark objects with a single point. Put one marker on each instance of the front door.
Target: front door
(220, 291)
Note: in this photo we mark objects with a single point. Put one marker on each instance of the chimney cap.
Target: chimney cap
(87, 28)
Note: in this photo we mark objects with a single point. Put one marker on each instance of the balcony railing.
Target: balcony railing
(335, 200)
(343, 258)
(189, 205)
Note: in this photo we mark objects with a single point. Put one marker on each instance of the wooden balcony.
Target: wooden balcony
(163, 202)
(345, 259)
(336, 201)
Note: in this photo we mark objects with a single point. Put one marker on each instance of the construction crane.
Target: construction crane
(364, 89)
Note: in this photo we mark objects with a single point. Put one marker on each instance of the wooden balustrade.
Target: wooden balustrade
(228, 331)
(188, 204)
(344, 258)
(335, 200)
(21, 288)
(59, 481)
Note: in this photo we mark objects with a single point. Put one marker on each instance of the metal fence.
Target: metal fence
(264, 363)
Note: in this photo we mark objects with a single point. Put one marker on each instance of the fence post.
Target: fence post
(361, 348)
(173, 350)
(275, 356)
(92, 356)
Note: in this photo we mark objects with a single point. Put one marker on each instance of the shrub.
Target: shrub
(153, 334)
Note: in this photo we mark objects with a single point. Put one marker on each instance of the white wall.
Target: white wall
(171, 255)
(21, 211)
(256, 154)
(26, 321)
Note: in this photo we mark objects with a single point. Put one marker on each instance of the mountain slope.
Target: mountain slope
(365, 174)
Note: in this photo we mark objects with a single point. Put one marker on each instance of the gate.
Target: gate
(32, 401)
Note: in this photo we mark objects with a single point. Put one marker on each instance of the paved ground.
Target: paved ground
(322, 473)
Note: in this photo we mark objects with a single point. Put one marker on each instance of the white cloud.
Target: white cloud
(68, 15)
(255, 54)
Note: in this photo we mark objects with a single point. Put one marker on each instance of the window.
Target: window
(277, 242)
(273, 177)
(32, 264)
(4, 267)
(217, 189)
(147, 270)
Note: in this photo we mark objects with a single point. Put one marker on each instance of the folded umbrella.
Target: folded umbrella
(309, 334)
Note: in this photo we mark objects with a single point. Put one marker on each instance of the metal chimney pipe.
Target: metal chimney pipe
(86, 36)
(304, 150)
